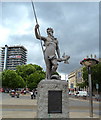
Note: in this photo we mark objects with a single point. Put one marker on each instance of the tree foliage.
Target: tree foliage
(81, 85)
(32, 74)
(11, 79)
(25, 75)
(35, 78)
(95, 75)
(25, 70)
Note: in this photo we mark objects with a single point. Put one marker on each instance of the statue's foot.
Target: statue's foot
(57, 77)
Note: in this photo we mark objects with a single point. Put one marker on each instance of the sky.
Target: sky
(75, 24)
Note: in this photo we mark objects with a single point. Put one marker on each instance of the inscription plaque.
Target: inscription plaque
(55, 101)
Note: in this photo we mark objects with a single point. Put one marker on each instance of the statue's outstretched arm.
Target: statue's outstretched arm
(64, 57)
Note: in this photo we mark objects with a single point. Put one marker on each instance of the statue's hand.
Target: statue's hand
(64, 58)
(59, 59)
(37, 26)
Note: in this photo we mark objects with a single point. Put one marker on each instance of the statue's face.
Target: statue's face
(50, 31)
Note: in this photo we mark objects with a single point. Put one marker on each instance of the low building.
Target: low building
(74, 78)
(72, 81)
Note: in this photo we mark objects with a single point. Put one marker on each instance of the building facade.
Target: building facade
(12, 56)
(74, 78)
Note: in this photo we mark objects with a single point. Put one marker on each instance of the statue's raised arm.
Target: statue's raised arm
(37, 34)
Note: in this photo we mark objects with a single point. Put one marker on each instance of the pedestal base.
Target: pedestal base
(52, 99)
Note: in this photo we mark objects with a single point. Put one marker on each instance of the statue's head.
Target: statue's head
(49, 31)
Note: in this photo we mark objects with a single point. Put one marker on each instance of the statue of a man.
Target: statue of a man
(51, 52)
(51, 47)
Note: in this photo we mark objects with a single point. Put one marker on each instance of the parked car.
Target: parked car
(1, 90)
(71, 93)
(81, 94)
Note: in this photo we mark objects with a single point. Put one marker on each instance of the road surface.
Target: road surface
(25, 107)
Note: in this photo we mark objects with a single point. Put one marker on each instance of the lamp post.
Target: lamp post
(88, 62)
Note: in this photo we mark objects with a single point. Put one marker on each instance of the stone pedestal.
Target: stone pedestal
(52, 99)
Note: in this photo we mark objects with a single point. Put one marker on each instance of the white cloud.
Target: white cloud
(64, 76)
(4, 35)
(75, 26)
(23, 29)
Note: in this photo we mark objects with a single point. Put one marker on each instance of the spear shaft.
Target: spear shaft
(37, 23)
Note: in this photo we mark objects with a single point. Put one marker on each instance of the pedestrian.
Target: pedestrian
(34, 93)
(31, 94)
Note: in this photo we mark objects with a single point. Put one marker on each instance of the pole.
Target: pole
(97, 94)
(65, 76)
(97, 88)
(37, 23)
(34, 12)
(90, 92)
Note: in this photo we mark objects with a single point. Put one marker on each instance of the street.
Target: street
(25, 107)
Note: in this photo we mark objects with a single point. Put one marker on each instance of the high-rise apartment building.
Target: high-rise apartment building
(12, 56)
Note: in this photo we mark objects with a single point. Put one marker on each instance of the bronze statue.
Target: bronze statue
(51, 52)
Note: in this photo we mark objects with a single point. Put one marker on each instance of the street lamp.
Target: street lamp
(88, 62)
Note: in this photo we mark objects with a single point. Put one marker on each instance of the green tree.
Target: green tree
(11, 79)
(81, 85)
(95, 75)
(25, 70)
(35, 78)
(32, 74)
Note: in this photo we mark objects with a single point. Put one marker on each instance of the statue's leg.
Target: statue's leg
(48, 68)
(48, 75)
(54, 65)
